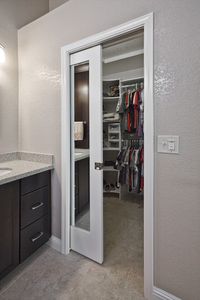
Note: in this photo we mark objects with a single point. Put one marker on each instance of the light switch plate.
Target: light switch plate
(168, 144)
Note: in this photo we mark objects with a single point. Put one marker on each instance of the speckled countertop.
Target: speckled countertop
(23, 164)
(81, 154)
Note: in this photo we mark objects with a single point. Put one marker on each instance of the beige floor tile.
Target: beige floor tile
(49, 275)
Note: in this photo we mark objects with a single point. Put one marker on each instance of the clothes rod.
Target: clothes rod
(123, 56)
(129, 85)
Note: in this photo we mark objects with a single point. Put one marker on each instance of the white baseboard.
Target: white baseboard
(55, 243)
(159, 294)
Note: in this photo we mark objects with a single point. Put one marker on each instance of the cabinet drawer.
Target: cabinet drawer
(34, 205)
(33, 236)
(34, 182)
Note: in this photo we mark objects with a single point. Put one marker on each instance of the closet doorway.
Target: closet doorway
(118, 73)
(123, 157)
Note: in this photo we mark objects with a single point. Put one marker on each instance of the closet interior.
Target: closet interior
(123, 116)
(123, 153)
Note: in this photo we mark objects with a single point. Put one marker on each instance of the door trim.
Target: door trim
(145, 22)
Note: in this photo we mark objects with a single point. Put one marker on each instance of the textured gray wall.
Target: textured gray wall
(177, 111)
(13, 15)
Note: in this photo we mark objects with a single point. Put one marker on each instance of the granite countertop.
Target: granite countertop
(24, 164)
(81, 154)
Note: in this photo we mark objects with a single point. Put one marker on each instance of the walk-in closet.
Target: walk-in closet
(107, 144)
(123, 154)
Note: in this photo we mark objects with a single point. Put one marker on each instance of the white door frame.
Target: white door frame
(145, 22)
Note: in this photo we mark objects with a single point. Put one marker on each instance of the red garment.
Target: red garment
(135, 118)
(127, 100)
(136, 107)
(136, 98)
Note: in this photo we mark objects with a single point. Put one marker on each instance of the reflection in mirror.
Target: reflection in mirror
(81, 147)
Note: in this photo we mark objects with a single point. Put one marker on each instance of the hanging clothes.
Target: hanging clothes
(136, 109)
(140, 129)
(130, 164)
(130, 160)
(132, 110)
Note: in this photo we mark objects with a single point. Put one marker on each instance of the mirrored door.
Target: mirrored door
(86, 154)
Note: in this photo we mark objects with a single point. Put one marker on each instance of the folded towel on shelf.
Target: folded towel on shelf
(110, 116)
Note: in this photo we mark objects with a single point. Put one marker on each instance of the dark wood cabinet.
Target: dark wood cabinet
(81, 185)
(34, 182)
(34, 236)
(35, 223)
(34, 205)
(25, 218)
(9, 227)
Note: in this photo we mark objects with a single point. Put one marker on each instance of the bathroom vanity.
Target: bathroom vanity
(81, 180)
(25, 211)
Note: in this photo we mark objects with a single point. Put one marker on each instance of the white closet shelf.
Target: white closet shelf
(123, 56)
(111, 98)
(113, 140)
(117, 191)
(111, 121)
(109, 169)
(114, 131)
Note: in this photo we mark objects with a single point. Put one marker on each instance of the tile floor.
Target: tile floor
(49, 275)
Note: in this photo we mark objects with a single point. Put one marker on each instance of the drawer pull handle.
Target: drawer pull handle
(37, 206)
(37, 237)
